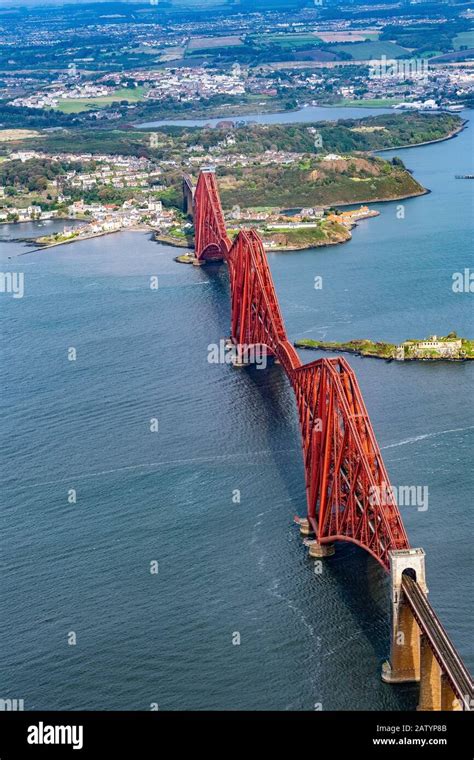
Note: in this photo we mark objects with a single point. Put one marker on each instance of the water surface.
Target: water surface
(224, 567)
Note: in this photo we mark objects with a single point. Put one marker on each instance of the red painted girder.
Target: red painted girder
(344, 470)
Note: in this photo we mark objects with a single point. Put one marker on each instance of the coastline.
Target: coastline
(175, 242)
(268, 248)
(248, 109)
(45, 246)
(450, 136)
(425, 191)
(62, 217)
(308, 247)
(277, 110)
(169, 121)
(185, 243)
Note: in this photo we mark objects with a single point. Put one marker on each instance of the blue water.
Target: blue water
(302, 115)
(167, 496)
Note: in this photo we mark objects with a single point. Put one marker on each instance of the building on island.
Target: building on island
(431, 348)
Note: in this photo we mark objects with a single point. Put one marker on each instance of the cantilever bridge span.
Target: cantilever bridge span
(348, 492)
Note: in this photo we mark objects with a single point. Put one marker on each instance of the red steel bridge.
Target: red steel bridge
(347, 486)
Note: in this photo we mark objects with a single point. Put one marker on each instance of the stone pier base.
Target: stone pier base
(317, 550)
(405, 655)
(305, 527)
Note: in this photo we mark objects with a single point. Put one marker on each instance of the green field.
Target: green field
(132, 95)
(146, 50)
(372, 103)
(365, 51)
(430, 53)
(286, 41)
(209, 43)
(464, 39)
(373, 36)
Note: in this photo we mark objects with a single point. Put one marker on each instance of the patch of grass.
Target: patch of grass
(364, 347)
(286, 41)
(468, 346)
(371, 103)
(309, 236)
(11, 135)
(209, 43)
(263, 209)
(430, 53)
(171, 54)
(464, 39)
(354, 35)
(365, 51)
(76, 105)
(148, 50)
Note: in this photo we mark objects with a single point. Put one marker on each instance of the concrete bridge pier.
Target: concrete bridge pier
(404, 664)
(319, 551)
(316, 550)
(305, 527)
(430, 680)
(436, 692)
(449, 700)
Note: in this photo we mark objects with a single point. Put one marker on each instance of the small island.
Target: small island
(434, 348)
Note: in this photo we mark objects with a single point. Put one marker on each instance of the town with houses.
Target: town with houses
(186, 84)
(143, 212)
(146, 211)
(435, 86)
(243, 63)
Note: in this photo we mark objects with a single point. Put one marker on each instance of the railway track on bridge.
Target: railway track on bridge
(344, 470)
(440, 644)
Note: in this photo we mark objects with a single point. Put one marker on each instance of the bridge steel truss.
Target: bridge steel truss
(347, 486)
(348, 492)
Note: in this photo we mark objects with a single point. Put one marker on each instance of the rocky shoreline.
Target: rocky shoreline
(386, 351)
(158, 237)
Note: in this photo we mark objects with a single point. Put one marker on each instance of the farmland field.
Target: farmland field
(77, 105)
(364, 51)
(287, 41)
(208, 43)
(464, 38)
(171, 54)
(10, 135)
(359, 35)
(370, 103)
